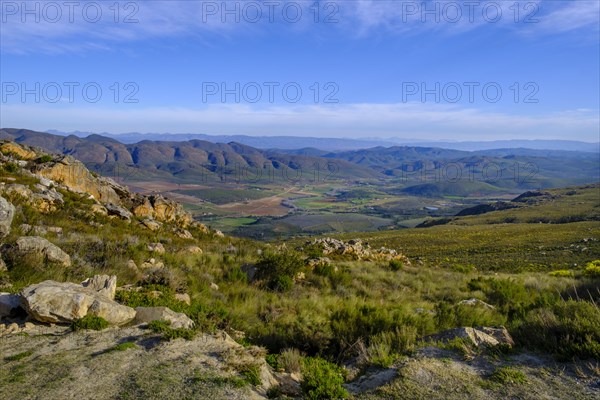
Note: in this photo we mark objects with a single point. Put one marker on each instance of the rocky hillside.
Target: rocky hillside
(107, 294)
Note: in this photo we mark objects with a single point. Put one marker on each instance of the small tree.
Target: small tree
(277, 270)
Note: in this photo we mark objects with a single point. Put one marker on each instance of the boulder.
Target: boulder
(194, 250)
(119, 211)
(74, 175)
(13, 148)
(148, 314)
(57, 302)
(479, 336)
(99, 209)
(38, 245)
(184, 298)
(161, 209)
(152, 263)
(7, 213)
(9, 304)
(183, 233)
(475, 302)
(156, 248)
(103, 284)
(151, 224)
(19, 190)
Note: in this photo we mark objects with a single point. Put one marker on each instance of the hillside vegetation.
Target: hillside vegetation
(460, 310)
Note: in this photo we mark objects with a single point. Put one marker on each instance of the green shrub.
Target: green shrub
(568, 329)
(168, 333)
(290, 360)
(45, 158)
(235, 274)
(251, 374)
(90, 322)
(19, 356)
(124, 346)
(322, 380)
(10, 167)
(562, 273)
(277, 270)
(452, 316)
(273, 361)
(592, 269)
(508, 375)
(396, 265)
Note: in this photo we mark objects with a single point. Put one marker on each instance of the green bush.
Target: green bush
(251, 374)
(124, 346)
(90, 322)
(322, 380)
(568, 329)
(19, 356)
(168, 333)
(592, 269)
(508, 375)
(396, 265)
(10, 167)
(562, 273)
(277, 270)
(44, 159)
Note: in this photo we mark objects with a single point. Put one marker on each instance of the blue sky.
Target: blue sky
(462, 71)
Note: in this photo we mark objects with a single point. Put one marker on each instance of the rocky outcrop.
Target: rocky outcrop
(42, 247)
(161, 209)
(356, 250)
(56, 302)
(177, 320)
(7, 213)
(11, 148)
(42, 199)
(103, 284)
(156, 248)
(479, 336)
(116, 210)
(74, 175)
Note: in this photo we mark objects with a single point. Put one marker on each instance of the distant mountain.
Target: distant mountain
(260, 142)
(569, 145)
(186, 161)
(294, 143)
(431, 171)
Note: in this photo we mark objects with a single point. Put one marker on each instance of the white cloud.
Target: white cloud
(435, 121)
(200, 19)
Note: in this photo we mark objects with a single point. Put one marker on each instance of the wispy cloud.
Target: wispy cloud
(352, 120)
(175, 18)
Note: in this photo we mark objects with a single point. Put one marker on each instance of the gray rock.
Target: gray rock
(479, 336)
(119, 211)
(152, 224)
(57, 302)
(156, 248)
(9, 304)
(103, 284)
(38, 245)
(7, 213)
(177, 320)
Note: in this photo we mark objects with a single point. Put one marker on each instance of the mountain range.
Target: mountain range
(340, 144)
(185, 161)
